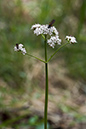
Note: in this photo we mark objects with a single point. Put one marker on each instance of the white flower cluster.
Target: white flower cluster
(54, 40)
(19, 47)
(71, 39)
(45, 30)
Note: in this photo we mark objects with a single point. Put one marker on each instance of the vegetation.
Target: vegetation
(22, 79)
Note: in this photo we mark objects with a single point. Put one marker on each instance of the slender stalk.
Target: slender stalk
(36, 58)
(43, 36)
(46, 86)
(57, 51)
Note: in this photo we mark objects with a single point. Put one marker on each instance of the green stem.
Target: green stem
(46, 86)
(57, 51)
(36, 58)
(43, 36)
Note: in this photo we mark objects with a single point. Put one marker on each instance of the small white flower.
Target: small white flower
(19, 47)
(53, 30)
(54, 40)
(71, 39)
(38, 31)
(23, 50)
(15, 48)
(35, 26)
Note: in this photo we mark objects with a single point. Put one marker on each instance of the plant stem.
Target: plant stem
(36, 58)
(57, 51)
(46, 86)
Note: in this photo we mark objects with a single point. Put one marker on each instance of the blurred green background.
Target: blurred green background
(20, 75)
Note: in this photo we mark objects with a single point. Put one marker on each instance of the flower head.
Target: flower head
(47, 29)
(54, 40)
(71, 39)
(19, 47)
(43, 29)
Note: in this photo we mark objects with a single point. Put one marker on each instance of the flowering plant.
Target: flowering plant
(51, 37)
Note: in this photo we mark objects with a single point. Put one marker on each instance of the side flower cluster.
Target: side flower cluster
(45, 30)
(19, 47)
(71, 39)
